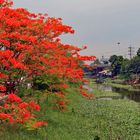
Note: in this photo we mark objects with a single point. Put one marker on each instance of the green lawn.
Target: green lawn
(84, 120)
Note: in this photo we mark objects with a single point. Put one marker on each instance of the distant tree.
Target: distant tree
(113, 59)
(127, 68)
(97, 61)
(138, 52)
(116, 63)
(134, 65)
(124, 65)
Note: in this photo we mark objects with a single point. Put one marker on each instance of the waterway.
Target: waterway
(122, 93)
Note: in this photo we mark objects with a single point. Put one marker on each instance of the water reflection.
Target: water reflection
(124, 93)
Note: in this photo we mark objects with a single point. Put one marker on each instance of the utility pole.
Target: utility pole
(130, 51)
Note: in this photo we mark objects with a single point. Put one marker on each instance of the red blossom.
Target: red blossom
(2, 88)
(6, 117)
(34, 105)
(39, 124)
(23, 105)
(14, 98)
(61, 102)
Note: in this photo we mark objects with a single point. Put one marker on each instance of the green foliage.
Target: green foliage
(45, 82)
(134, 65)
(116, 60)
(116, 63)
(138, 52)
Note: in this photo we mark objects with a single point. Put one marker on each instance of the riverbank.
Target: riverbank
(119, 84)
(86, 120)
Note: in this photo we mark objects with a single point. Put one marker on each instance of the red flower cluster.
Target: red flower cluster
(6, 3)
(14, 98)
(32, 49)
(2, 88)
(14, 110)
(39, 124)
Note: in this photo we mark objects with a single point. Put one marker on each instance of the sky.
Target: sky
(99, 24)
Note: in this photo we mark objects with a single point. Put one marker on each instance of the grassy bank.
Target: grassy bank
(91, 119)
(85, 120)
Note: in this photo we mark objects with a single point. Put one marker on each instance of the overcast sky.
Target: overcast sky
(100, 24)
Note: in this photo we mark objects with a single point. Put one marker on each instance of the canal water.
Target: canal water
(123, 93)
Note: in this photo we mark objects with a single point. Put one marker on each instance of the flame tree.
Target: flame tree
(30, 47)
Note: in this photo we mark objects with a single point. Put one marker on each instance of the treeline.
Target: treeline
(129, 69)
